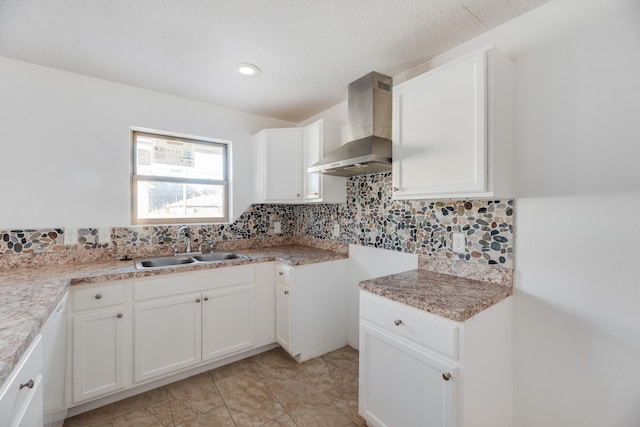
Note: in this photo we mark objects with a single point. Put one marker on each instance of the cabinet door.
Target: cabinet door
(21, 392)
(402, 385)
(166, 335)
(30, 414)
(100, 349)
(439, 133)
(228, 321)
(312, 137)
(283, 316)
(283, 160)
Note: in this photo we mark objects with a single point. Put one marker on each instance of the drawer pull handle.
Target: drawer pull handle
(98, 296)
(197, 299)
(206, 298)
(446, 376)
(397, 322)
(28, 384)
(119, 315)
(286, 292)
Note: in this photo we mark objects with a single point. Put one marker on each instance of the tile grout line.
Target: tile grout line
(272, 395)
(166, 391)
(277, 400)
(222, 397)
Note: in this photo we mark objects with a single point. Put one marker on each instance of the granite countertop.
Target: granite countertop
(29, 295)
(456, 298)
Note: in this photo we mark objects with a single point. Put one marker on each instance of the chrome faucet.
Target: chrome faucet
(187, 236)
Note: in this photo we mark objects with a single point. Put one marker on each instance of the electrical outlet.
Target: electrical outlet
(70, 236)
(459, 243)
(277, 227)
(104, 235)
(336, 230)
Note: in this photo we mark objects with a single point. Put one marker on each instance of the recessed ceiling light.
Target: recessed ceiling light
(247, 69)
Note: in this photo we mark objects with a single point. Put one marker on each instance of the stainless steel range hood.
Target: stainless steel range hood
(369, 149)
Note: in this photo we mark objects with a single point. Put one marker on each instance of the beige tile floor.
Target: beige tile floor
(270, 389)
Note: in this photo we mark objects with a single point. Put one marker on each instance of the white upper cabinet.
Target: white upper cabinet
(281, 160)
(312, 140)
(279, 165)
(452, 130)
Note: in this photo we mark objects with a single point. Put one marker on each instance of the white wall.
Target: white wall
(65, 146)
(578, 301)
(577, 321)
(367, 263)
(577, 311)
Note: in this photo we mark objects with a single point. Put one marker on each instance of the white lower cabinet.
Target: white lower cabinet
(311, 308)
(131, 332)
(100, 340)
(419, 369)
(176, 330)
(403, 385)
(21, 399)
(180, 331)
(101, 352)
(34, 393)
(228, 321)
(166, 335)
(283, 316)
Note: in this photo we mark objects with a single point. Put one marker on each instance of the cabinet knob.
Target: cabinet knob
(446, 376)
(286, 292)
(397, 322)
(316, 194)
(206, 298)
(119, 315)
(98, 296)
(297, 194)
(197, 299)
(280, 273)
(28, 384)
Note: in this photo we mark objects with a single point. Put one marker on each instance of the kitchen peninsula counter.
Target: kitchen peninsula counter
(452, 297)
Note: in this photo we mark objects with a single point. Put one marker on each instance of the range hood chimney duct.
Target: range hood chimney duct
(369, 130)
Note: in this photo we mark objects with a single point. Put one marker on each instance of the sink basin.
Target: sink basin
(218, 256)
(164, 261)
(168, 261)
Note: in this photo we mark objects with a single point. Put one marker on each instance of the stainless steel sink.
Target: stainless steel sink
(164, 261)
(218, 256)
(168, 261)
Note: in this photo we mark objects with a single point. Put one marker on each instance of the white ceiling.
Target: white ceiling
(309, 50)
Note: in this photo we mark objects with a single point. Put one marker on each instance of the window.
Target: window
(178, 180)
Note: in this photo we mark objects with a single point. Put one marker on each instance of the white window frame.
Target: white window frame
(135, 178)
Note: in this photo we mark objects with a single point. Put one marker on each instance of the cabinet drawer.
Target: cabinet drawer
(97, 297)
(22, 384)
(283, 274)
(408, 322)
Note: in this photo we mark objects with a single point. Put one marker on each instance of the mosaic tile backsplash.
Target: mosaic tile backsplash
(370, 217)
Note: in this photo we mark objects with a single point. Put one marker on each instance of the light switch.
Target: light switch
(459, 243)
(336, 230)
(277, 227)
(70, 236)
(104, 235)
